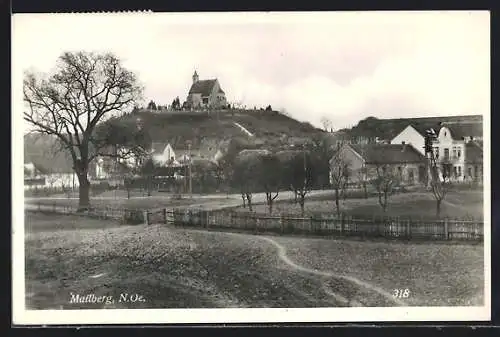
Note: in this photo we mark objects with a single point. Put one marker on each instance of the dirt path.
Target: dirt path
(281, 250)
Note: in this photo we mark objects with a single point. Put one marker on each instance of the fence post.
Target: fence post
(164, 215)
(146, 217)
(311, 223)
(446, 232)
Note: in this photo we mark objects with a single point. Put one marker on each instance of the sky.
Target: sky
(344, 66)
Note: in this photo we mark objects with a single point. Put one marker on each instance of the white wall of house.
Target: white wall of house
(410, 136)
(167, 154)
(452, 152)
(58, 180)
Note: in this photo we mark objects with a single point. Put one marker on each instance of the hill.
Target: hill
(259, 127)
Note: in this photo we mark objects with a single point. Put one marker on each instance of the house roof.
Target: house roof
(473, 153)
(203, 87)
(158, 147)
(459, 131)
(388, 153)
(421, 124)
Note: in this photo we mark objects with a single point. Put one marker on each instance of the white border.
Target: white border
(22, 316)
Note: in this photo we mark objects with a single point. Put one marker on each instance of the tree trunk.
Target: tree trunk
(83, 192)
(365, 190)
(438, 208)
(337, 205)
(385, 202)
(249, 200)
(244, 203)
(128, 193)
(271, 206)
(296, 195)
(302, 202)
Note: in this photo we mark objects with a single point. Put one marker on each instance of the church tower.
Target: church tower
(195, 77)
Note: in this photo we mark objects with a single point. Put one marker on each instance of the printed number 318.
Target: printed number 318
(401, 293)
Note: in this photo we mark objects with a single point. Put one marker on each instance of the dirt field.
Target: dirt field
(179, 268)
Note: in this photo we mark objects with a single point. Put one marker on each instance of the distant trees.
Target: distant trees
(151, 105)
(176, 104)
(269, 108)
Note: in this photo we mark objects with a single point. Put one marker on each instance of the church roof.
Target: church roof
(203, 87)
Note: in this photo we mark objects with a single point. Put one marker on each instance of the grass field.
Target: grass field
(178, 268)
(414, 204)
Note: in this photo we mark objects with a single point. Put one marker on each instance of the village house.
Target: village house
(166, 154)
(49, 172)
(363, 160)
(458, 147)
(205, 94)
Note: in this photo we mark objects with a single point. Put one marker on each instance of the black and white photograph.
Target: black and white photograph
(251, 167)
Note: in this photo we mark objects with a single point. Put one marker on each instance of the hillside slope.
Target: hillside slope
(266, 128)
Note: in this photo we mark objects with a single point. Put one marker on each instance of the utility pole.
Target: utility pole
(190, 178)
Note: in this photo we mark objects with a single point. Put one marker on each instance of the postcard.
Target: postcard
(251, 167)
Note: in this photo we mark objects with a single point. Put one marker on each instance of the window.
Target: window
(455, 171)
(436, 152)
(459, 170)
(446, 153)
(403, 142)
(459, 152)
(205, 100)
(454, 152)
(470, 172)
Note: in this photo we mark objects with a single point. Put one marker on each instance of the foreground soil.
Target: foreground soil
(163, 267)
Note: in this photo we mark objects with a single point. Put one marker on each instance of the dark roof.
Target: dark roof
(473, 153)
(388, 153)
(459, 131)
(390, 128)
(203, 87)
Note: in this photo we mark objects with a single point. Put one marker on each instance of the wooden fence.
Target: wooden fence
(396, 228)
(325, 225)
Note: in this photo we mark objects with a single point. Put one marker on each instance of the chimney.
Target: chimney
(403, 149)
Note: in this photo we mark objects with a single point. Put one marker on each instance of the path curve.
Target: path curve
(282, 255)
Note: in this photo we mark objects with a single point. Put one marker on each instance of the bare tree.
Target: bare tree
(326, 123)
(85, 89)
(270, 175)
(439, 187)
(384, 183)
(362, 176)
(339, 176)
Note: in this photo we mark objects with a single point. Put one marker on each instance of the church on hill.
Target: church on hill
(205, 94)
